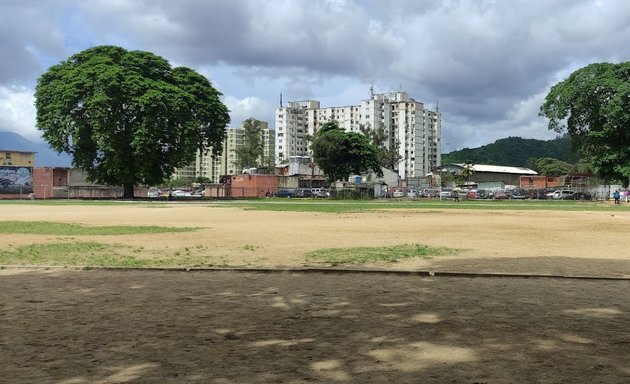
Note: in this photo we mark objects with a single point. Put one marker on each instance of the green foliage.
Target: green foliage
(68, 229)
(95, 254)
(183, 182)
(469, 170)
(128, 117)
(388, 147)
(515, 152)
(593, 106)
(418, 206)
(363, 255)
(339, 153)
(549, 166)
(251, 153)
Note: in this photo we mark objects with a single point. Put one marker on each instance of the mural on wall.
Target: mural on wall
(16, 180)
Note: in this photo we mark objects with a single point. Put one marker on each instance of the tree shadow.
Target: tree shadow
(229, 327)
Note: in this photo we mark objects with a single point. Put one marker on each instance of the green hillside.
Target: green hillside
(514, 151)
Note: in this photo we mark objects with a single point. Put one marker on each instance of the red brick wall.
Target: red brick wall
(253, 185)
(43, 182)
(539, 182)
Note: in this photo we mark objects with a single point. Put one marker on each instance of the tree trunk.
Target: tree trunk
(128, 190)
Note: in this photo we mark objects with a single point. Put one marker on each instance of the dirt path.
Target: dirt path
(234, 327)
(67, 326)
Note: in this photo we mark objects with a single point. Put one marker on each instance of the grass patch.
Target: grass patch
(346, 206)
(98, 255)
(68, 229)
(364, 255)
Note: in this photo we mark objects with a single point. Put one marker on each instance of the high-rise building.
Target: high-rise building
(406, 124)
(205, 165)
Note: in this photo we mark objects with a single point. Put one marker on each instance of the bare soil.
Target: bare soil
(125, 326)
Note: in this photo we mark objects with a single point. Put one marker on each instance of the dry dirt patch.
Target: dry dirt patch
(68, 326)
(508, 241)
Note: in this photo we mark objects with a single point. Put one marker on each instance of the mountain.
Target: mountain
(515, 152)
(44, 156)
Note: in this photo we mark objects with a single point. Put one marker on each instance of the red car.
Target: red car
(500, 195)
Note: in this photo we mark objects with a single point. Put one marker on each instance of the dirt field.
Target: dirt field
(68, 326)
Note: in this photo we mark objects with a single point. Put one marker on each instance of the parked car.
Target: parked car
(445, 193)
(560, 194)
(539, 194)
(472, 194)
(430, 193)
(482, 194)
(520, 194)
(412, 193)
(303, 192)
(398, 193)
(320, 192)
(578, 196)
(180, 193)
(284, 193)
(500, 195)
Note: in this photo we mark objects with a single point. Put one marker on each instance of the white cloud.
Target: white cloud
(489, 63)
(17, 112)
(243, 109)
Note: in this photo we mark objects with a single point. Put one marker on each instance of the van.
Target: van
(320, 192)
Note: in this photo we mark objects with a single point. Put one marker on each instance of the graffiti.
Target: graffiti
(16, 180)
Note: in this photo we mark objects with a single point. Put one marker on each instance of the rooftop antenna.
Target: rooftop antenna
(280, 99)
(437, 105)
(371, 90)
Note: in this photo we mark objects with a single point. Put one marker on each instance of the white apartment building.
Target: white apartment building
(404, 120)
(205, 165)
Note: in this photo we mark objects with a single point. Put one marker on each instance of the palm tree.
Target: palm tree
(469, 170)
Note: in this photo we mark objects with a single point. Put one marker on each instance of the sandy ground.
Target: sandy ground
(68, 326)
(555, 242)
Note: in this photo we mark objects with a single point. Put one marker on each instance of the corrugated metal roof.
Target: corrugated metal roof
(500, 169)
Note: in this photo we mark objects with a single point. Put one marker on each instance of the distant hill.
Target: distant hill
(515, 152)
(44, 156)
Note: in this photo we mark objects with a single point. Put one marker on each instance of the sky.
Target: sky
(487, 64)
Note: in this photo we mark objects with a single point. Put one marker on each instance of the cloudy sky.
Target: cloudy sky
(489, 64)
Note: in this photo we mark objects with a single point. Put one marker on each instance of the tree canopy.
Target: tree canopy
(469, 170)
(339, 153)
(593, 106)
(252, 152)
(515, 152)
(388, 147)
(128, 117)
(549, 166)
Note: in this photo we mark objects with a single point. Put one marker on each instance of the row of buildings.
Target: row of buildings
(19, 178)
(405, 123)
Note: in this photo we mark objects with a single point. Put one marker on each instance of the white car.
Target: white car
(412, 193)
(559, 195)
(398, 193)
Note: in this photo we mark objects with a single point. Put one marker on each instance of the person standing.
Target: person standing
(616, 196)
(625, 195)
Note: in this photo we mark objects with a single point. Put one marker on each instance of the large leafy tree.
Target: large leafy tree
(593, 106)
(128, 117)
(339, 153)
(549, 166)
(388, 147)
(251, 153)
